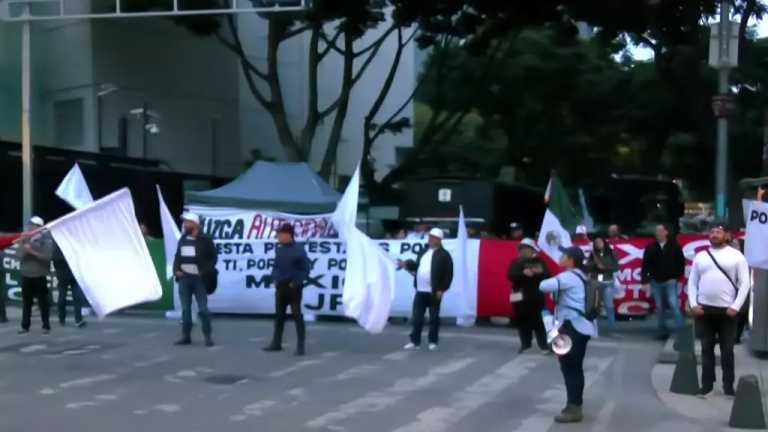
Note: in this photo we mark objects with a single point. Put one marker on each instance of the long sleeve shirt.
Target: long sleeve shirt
(37, 263)
(291, 264)
(708, 286)
(569, 292)
(663, 263)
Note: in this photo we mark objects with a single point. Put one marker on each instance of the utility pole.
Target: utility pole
(724, 64)
(27, 161)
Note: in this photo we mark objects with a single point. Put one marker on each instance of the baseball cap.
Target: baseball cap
(37, 220)
(528, 242)
(573, 252)
(436, 232)
(191, 217)
(581, 229)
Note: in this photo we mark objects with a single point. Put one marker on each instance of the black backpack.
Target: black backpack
(592, 298)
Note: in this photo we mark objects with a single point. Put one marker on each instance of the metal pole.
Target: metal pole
(26, 137)
(721, 165)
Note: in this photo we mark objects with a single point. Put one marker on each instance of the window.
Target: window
(69, 123)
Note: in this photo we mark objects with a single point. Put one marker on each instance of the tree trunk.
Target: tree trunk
(313, 111)
(278, 111)
(329, 159)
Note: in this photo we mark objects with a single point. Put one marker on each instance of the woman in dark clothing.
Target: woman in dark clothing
(602, 266)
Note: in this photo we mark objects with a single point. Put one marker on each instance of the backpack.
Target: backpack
(592, 298)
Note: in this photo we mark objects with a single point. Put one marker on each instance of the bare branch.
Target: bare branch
(295, 32)
(237, 48)
(377, 43)
(329, 44)
(372, 55)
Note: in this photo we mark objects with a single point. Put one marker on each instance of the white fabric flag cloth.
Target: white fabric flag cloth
(107, 254)
(74, 190)
(756, 243)
(369, 280)
(461, 276)
(171, 234)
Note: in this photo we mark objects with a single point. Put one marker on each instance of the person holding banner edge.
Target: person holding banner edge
(194, 267)
(289, 274)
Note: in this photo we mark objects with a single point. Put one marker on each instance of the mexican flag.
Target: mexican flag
(560, 220)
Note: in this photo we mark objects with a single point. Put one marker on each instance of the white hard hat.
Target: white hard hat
(191, 217)
(37, 220)
(436, 232)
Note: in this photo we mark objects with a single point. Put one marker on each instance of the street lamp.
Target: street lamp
(723, 55)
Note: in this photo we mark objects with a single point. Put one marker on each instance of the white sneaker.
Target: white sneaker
(411, 347)
(433, 347)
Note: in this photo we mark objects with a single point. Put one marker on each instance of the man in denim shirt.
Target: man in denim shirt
(569, 291)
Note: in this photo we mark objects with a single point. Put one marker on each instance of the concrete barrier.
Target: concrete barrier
(747, 411)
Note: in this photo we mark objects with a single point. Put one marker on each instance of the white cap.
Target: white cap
(581, 229)
(436, 232)
(189, 216)
(530, 243)
(37, 220)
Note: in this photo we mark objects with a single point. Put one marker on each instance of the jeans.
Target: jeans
(421, 302)
(66, 285)
(666, 292)
(31, 289)
(287, 295)
(572, 364)
(529, 323)
(193, 286)
(608, 291)
(716, 325)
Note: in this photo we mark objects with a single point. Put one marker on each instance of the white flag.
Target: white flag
(369, 281)
(74, 190)
(171, 234)
(757, 235)
(107, 254)
(461, 275)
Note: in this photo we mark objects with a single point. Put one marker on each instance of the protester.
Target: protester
(289, 274)
(194, 264)
(516, 231)
(35, 265)
(614, 233)
(569, 291)
(663, 266)
(67, 283)
(718, 286)
(581, 234)
(433, 274)
(602, 266)
(419, 232)
(526, 274)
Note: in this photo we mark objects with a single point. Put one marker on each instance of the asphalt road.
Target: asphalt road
(123, 374)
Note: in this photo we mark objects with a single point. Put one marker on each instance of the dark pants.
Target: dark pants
(421, 302)
(70, 285)
(193, 286)
(31, 289)
(715, 325)
(572, 364)
(287, 295)
(529, 323)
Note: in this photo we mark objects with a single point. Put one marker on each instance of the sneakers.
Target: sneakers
(571, 414)
(411, 346)
(705, 392)
(183, 341)
(81, 324)
(272, 348)
(433, 347)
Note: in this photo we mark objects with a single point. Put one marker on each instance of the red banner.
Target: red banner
(631, 299)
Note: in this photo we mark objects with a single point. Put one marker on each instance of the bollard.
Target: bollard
(684, 341)
(747, 411)
(685, 379)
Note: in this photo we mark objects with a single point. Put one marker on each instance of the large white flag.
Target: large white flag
(461, 275)
(171, 234)
(107, 254)
(74, 190)
(369, 280)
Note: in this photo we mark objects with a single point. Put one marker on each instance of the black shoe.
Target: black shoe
(272, 348)
(729, 391)
(81, 324)
(662, 337)
(209, 342)
(46, 332)
(523, 349)
(62, 323)
(184, 341)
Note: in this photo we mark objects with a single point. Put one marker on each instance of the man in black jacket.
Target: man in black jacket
(193, 266)
(526, 274)
(289, 274)
(433, 274)
(66, 282)
(663, 266)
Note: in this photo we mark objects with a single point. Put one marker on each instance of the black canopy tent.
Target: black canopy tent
(284, 187)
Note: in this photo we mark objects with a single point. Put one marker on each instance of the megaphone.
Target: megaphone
(562, 344)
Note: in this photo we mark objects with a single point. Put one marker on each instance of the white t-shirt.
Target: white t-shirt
(424, 273)
(707, 286)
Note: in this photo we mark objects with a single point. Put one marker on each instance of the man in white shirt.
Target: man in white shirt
(433, 274)
(718, 285)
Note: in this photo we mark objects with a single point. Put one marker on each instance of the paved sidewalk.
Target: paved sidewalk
(716, 408)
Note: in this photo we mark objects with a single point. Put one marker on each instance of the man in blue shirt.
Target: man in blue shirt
(569, 290)
(290, 272)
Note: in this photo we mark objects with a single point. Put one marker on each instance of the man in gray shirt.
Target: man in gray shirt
(36, 253)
